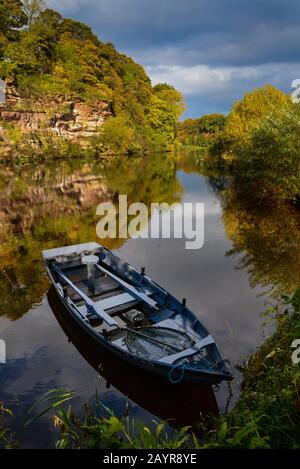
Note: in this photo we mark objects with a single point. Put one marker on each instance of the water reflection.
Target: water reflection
(265, 239)
(157, 396)
(55, 203)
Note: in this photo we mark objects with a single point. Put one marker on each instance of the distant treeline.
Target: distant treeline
(199, 132)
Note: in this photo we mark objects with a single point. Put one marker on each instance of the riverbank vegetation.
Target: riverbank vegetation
(267, 414)
(52, 61)
(259, 147)
(256, 146)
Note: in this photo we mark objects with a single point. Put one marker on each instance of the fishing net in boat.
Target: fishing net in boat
(156, 342)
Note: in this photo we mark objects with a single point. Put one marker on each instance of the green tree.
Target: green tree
(260, 146)
(118, 134)
(246, 114)
(166, 105)
(12, 18)
(172, 97)
(269, 165)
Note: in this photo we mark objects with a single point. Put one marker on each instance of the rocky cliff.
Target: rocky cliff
(72, 120)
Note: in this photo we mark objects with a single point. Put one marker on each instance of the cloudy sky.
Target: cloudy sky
(211, 50)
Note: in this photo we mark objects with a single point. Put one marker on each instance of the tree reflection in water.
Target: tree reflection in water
(266, 236)
(55, 203)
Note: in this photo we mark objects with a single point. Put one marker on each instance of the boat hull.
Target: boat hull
(161, 370)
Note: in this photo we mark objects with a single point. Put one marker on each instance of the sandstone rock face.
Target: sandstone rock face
(78, 121)
(26, 120)
(59, 194)
(82, 121)
(12, 96)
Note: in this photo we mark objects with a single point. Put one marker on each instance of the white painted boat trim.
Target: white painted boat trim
(67, 251)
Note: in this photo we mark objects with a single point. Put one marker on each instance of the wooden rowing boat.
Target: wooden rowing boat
(133, 317)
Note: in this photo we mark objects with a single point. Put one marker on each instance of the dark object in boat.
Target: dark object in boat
(133, 317)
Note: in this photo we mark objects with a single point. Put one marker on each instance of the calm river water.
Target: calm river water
(227, 282)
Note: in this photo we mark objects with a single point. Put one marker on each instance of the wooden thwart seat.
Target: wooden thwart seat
(111, 302)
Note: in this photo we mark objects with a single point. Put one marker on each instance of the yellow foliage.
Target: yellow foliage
(246, 114)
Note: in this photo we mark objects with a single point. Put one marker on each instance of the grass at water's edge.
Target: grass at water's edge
(267, 414)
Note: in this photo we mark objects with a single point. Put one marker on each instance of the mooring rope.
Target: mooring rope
(189, 366)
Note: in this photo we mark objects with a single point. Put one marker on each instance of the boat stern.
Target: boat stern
(62, 253)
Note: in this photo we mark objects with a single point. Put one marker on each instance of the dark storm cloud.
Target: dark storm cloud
(217, 31)
(228, 38)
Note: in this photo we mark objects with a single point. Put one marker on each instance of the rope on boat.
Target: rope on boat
(179, 366)
(189, 366)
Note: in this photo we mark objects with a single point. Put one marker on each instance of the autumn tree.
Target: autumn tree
(269, 166)
(166, 105)
(12, 18)
(260, 146)
(246, 114)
